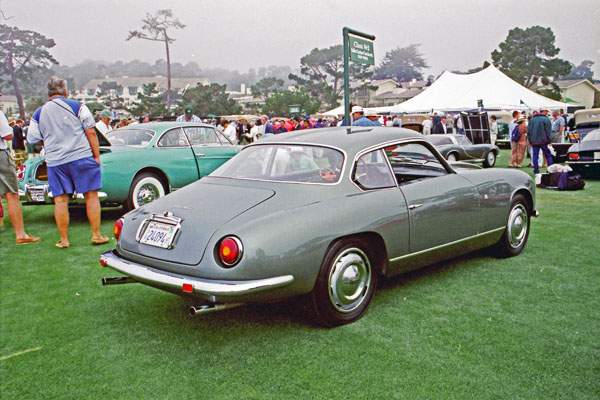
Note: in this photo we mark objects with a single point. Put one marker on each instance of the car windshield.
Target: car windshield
(463, 140)
(285, 163)
(130, 137)
(593, 135)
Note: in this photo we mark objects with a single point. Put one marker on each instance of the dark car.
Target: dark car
(584, 157)
(457, 147)
(323, 214)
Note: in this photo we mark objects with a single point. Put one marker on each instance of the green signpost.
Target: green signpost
(357, 50)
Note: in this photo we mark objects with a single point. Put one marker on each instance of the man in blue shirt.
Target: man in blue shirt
(358, 117)
(67, 129)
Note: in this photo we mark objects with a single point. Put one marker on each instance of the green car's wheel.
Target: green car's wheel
(146, 187)
(515, 236)
(490, 160)
(345, 285)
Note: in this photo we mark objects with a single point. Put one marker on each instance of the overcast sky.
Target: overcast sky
(243, 34)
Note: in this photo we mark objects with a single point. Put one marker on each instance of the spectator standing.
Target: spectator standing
(229, 130)
(427, 124)
(268, 126)
(103, 124)
(493, 129)
(282, 128)
(18, 143)
(373, 117)
(257, 130)
(558, 128)
(188, 115)
(539, 133)
(519, 146)
(358, 117)
(67, 129)
(512, 124)
(437, 126)
(397, 121)
(9, 187)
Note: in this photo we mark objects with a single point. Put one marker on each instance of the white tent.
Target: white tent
(456, 92)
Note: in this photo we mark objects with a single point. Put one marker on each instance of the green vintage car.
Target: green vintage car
(141, 163)
(320, 214)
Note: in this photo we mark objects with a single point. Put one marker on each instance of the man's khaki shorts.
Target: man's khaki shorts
(8, 175)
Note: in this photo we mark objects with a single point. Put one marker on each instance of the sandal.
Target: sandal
(27, 239)
(62, 245)
(100, 240)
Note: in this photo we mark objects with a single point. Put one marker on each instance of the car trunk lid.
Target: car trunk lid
(202, 208)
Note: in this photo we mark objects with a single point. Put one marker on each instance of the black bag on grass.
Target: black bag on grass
(570, 181)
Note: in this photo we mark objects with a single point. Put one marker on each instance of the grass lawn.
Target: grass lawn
(474, 327)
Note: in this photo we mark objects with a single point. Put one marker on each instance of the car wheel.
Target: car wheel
(345, 285)
(452, 157)
(515, 236)
(145, 188)
(490, 160)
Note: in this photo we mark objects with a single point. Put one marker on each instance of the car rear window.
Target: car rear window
(439, 140)
(285, 163)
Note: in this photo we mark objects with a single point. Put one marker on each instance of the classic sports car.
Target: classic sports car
(321, 214)
(141, 163)
(584, 157)
(455, 147)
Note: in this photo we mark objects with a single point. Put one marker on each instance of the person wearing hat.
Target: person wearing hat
(373, 117)
(519, 146)
(358, 117)
(188, 115)
(103, 124)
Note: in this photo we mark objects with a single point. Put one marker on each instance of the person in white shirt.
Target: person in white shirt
(229, 131)
(427, 126)
(493, 129)
(103, 125)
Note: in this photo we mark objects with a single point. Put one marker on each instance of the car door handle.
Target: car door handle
(201, 155)
(413, 206)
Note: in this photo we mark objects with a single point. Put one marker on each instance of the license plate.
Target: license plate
(37, 195)
(158, 234)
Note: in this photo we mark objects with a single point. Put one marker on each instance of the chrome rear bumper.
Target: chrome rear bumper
(42, 194)
(211, 290)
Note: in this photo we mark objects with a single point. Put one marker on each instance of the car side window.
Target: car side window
(173, 138)
(413, 162)
(371, 171)
(202, 136)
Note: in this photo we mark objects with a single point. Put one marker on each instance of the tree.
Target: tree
(322, 74)
(266, 86)
(156, 26)
(210, 100)
(279, 103)
(150, 102)
(527, 56)
(402, 64)
(23, 54)
(583, 71)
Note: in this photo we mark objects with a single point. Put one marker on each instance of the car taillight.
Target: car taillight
(573, 156)
(118, 228)
(230, 251)
(21, 172)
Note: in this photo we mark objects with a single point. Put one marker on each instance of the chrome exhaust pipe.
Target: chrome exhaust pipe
(118, 280)
(207, 308)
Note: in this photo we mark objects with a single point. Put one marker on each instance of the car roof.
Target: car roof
(158, 126)
(352, 139)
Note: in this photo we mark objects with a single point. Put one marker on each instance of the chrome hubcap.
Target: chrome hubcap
(491, 158)
(517, 225)
(349, 280)
(147, 193)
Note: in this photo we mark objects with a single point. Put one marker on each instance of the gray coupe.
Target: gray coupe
(321, 214)
(455, 147)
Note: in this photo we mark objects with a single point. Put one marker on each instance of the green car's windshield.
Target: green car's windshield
(130, 137)
(285, 163)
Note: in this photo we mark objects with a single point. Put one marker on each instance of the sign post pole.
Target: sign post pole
(360, 51)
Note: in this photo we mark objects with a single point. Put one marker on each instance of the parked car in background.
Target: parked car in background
(414, 121)
(141, 163)
(321, 214)
(456, 147)
(584, 157)
(584, 122)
